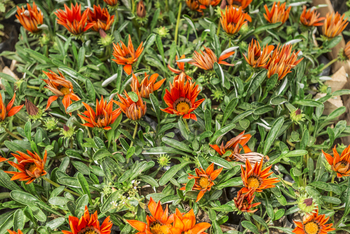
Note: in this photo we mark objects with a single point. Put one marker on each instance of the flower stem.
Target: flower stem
(57, 185)
(330, 63)
(331, 192)
(178, 22)
(250, 77)
(13, 135)
(218, 30)
(185, 121)
(32, 87)
(134, 135)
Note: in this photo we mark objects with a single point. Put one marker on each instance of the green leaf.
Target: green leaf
(171, 173)
(133, 96)
(242, 116)
(90, 90)
(322, 185)
(58, 201)
(308, 102)
(75, 106)
(84, 185)
(260, 221)
(335, 93)
(149, 180)
(182, 128)
(155, 18)
(101, 153)
(190, 185)
(337, 112)
(163, 150)
(265, 27)
(7, 224)
(55, 223)
(279, 214)
(7, 77)
(334, 41)
(257, 81)
(220, 162)
(234, 182)
(271, 136)
(347, 203)
(177, 144)
(155, 105)
(332, 200)
(19, 220)
(250, 226)
(220, 73)
(81, 167)
(222, 132)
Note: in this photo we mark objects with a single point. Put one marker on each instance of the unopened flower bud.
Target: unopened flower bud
(141, 9)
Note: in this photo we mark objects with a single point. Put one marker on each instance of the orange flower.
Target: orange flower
(73, 20)
(88, 224)
(207, 3)
(132, 110)
(126, 56)
(203, 180)
(100, 18)
(347, 50)
(9, 110)
(147, 86)
(313, 224)
(311, 18)
(334, 25)
(233, 19)
(61, 88)
(207, 58)
(194, 5)
(340, 163)
(244, 201)
(30, 18)
(156, 223)
(239, 3)
(111, 3)
(181, 66)
(255, 178)
(187, 224)
(181, 99)
(30, 166)
(257, 58)
(278, 13)
(13, 232)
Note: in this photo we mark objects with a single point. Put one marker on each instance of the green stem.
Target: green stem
(250, 77)
(330, 63)
(178, 22)
(331, 192)
(133, 6)
(218, 30)
(57, 185)
(13, 135)
(185, 121)
(32, 87)
(134, 135)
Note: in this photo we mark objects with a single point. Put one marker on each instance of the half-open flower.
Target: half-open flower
(347, 50)
(244, 201)
(61, 88)
(313, 224)
(181, 66)
(204, 180)
(206, 59)
(126, 56)
(311, 18)
(111, 3)
(257, 58)
(88, 224)
(181, 99)
(100, 18)
(334, 25)
(339, 163)
(147, 86)
(30, 18)
(256, 178)
(104, 116)
(278, 13)
(9, 110)
(13, 232)
(233, 19)
(194, 5)
(207, 3)
(239, 3)
(186, 223)
(73, 20)
(30, 166)
(132, 110)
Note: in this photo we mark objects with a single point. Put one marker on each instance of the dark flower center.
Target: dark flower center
(89, 230)
(30, 167)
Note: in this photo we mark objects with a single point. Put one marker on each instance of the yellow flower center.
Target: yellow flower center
(311, 228)
(253, 182)
(183, 107)
(89, 230)
(156, 229)
(30, 167)
(204, 182)
(65, 90)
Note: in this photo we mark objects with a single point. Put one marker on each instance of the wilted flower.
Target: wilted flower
(206, 59)
(33, 111)
(239, 3)
(141, 9)
(244, 201)
(313, 224)
(147, 86)
(297, 116)
(100, 18)
(311, 18)
(257, 58)
(186, 223)
(132, 110)
(194, 5)
(233, 19)
(334, 25)
(30, 18)
(9, 110)
(347, 50)
(277, 14)
(181, 66)
(339, 163)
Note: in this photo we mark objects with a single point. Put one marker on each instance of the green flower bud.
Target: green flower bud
(50, 124)
(297, 116)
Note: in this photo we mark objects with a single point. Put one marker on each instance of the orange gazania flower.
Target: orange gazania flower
(186, 223)
(334, 25)
(9, 110)
(156, 223)
(207, 3)
(204, 180)
(61, 88)
(73, 20)
(340, 163)
(311, 18)
(132, 110)
(30, 166)
(181, 99)
(255, 178)
(207, 58)
(194, 5)
(239, 3)
(111, 2)
(88, 224)
(233, 19)
(13, 232)
(147, 86)
(244, 201)
(347, 50)
(30, 18)
(257, 58)
(100, 18)
(181, 66)
(313, 224)
(126, 56)
(278, 13)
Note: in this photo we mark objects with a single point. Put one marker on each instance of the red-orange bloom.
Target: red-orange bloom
(194, 5)
(278, 13)
(347, 50)
(186, 223)
(257, 58)
(313, 224)
(73, 20)
(207, 3)
(147, 86)
(181, 99)
(88, 224)
(311, 18)
(30, 18)
(233, 19)
(340, 163)
(30, 166)
(100, 18)
(111, 2)
(132, 110)
(244, 201)
(206, 59)
(255, 178)
(126, 56)
(61, 88)
(13, 232)
(9, 110)
(334, 25)
(181, 66)
(103, 117)
(239, 3)
(204, 180)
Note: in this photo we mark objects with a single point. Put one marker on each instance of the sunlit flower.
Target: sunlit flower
(244, 201)
(207, 3)
(257, 58)
(88, 224)
(73, 20)
(311, 18)
(30, 166)
(181, 66)
(132, 110)
(61, 88)
(347, 50)
(148, 84)
(186, 223)
(111, 3)
(340, 163)
(233, 19)
(100, 18)
(256, 178)
(239, 3)
(313, 224)
(181, 99)
(334, 24)
(194, 5)
(278, 13)
(126, 56)
(13, 232)
(204, 180)
(30, 18)
(9, 110)
(206, 59)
